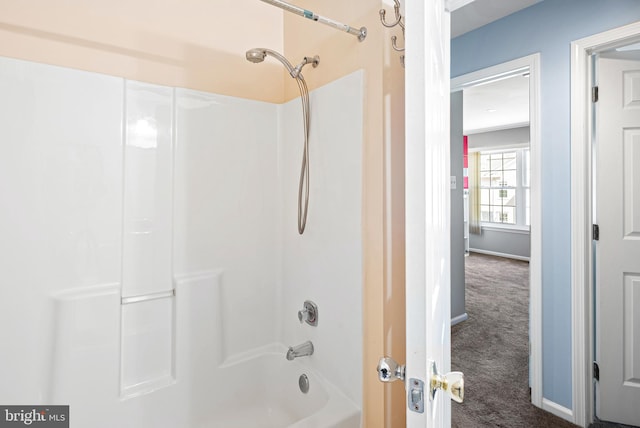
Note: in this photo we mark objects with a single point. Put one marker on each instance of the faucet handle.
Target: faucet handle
(309, 313)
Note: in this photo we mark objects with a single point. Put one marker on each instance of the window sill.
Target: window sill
(525, 230)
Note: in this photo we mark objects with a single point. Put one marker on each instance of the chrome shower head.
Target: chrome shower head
(256, 55)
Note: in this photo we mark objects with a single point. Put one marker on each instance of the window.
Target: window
(504, 187)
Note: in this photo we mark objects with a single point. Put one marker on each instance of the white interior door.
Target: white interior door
(427, 206)
(618, 249)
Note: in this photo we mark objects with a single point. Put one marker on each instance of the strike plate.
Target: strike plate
(415, 397)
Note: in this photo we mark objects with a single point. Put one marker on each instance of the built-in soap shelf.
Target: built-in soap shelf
(146, 387)
(147, 297)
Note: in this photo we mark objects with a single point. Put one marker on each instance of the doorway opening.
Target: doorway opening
(501, 210)
(601, 142)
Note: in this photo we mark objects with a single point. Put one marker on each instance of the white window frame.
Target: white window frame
(520, 188)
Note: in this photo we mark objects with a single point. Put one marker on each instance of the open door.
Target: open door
(617, 246)
(427, 172)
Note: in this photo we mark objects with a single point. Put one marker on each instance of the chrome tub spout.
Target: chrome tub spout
(301, 350)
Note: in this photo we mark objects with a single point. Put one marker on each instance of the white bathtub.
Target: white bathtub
(206, 388)
(261, 391)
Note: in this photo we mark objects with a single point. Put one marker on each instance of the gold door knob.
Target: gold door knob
(452, 383)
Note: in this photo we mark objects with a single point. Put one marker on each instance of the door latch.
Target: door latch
(452, 383)
(390, 371)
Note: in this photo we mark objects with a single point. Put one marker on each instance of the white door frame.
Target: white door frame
(532, 63)
(581, 212)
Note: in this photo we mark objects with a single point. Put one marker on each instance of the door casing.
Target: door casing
(582, 212)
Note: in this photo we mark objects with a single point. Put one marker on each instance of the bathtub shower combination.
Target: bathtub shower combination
(153, 273)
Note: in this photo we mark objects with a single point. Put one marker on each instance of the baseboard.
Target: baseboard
(495, 253)
(558, 410)
(459, 319)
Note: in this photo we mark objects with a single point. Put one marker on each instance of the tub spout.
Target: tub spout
(301, 350)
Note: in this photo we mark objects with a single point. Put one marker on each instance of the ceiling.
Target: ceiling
(482, 12)
(630, 52)
(500, 104)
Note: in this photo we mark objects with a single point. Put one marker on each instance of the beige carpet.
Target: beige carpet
(491, 348)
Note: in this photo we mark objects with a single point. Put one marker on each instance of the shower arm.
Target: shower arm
(361, 32)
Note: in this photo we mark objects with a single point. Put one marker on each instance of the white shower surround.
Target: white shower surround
(113, 189)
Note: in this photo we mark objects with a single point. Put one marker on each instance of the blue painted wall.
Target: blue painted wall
(548, 27)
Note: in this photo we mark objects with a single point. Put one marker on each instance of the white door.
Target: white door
(618, 249)
(427, 207)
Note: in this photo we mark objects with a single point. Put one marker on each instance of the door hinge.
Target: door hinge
(596, 232)
(594, 94)
(596, 371)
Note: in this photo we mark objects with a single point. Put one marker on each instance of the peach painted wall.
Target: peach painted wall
(193, 44)
(383, 178)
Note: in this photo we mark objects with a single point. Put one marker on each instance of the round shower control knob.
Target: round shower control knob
(309, 313)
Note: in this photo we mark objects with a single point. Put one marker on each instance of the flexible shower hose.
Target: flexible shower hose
(303, 188)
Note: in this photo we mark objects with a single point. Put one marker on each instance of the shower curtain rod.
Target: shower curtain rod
(361, 32)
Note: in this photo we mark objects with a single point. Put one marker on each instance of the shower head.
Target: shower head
(257, 55)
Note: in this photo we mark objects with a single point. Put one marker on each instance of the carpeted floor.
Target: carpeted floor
(491, 348)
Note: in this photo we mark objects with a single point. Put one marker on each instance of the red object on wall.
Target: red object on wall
(465, 161)
(465, 151)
